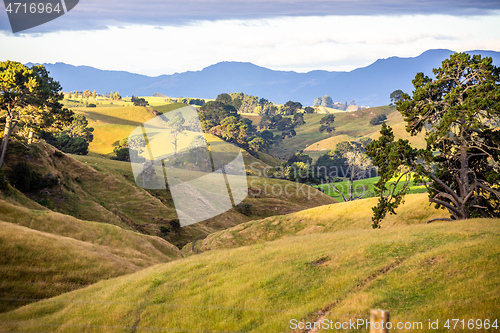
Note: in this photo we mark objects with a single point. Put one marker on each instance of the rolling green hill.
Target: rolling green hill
(96, 188)
(417, 272)
(349, 126)
(339, 217)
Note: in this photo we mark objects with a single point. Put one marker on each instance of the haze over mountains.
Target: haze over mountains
(369, 86)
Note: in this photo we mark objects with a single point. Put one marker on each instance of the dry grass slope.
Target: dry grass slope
(342, 216)
(417, 272)
(44, 254)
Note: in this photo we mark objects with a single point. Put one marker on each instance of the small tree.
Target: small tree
(31, 97)
(327, 124)
(396, 95)
(176, 127)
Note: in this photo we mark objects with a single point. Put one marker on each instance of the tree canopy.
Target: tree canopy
(459, 111)
(31, 98)
(327, 124)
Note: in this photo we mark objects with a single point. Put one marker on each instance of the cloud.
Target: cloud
(285, 43)
(98, 14)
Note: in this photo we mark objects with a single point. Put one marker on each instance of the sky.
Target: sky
(164, 37)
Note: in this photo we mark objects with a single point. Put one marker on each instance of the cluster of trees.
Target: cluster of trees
(30, 101)
(138, 101)
(286, 125)
(459, 111)
(247, 103)
(114, 96)
(191, 101)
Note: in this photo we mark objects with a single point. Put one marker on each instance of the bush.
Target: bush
(91, 105)
(244, 208)
(377, 120)
(121, 154)
(164, 230)
(69, 145)
(25, 179)
(175, 224)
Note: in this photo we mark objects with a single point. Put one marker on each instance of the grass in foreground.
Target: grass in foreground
(439, 271)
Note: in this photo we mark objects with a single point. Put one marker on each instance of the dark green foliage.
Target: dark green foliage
(290, 108)
(298, 120)
(139, 101)
(244, 208)
(175, 224)
(300, 157)
(224, 98)
(259, 144)
(267, 135)
(79, 128)
(309, 109)
(164, 230)
(327, 124)
(377, 120)
(21, 177)
(214, 112)
(25, 179)
(121, 154)
(392, 158)
(67, 144)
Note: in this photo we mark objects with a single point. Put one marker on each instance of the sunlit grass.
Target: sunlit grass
(443, 270)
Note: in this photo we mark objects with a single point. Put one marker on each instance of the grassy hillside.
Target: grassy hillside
(354, 125)
(44, 254)
(417, 272)
(96, 188)
(113, 123)
(343, 216)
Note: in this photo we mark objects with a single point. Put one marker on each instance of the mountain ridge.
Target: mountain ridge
(370, 85)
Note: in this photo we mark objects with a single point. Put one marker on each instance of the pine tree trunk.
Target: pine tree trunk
(30, 136)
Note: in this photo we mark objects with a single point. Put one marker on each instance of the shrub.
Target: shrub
(164, 230)
(377, 120)
(67, 144)
(244, 208)
(175, 224)
(121, 154)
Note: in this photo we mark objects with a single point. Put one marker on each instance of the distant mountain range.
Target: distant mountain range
(370, 86)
